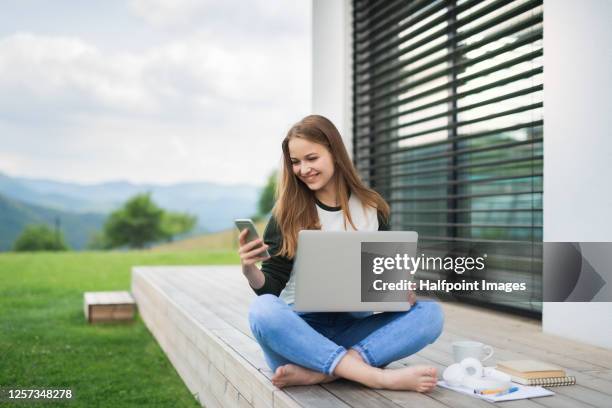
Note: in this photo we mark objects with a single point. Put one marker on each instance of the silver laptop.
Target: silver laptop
(328, 268)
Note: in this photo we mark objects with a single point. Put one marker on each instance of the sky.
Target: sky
(156, 91)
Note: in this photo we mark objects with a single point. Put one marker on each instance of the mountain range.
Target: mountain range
(82, 208)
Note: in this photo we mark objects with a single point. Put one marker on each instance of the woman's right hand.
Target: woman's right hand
(249, 251)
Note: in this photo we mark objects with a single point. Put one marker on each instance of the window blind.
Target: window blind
(447, 126)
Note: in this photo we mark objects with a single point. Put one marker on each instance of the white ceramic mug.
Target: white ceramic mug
(468, 348)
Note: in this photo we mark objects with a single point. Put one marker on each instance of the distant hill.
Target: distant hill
(216, 205)
(15, 215)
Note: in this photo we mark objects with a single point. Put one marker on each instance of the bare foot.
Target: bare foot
(414, 378)
(291, 374)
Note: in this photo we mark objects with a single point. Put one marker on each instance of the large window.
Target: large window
(447, 126)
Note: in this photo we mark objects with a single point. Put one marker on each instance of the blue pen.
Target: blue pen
(508, 391)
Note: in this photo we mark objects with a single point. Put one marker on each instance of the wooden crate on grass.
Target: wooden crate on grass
(109, 306)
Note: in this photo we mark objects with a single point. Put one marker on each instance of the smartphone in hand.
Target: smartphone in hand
(247, 223)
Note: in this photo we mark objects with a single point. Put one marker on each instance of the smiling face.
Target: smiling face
(311, 162)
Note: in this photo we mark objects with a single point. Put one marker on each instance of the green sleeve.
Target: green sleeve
(277, 269)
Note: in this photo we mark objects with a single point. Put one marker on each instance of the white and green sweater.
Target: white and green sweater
(280, 280)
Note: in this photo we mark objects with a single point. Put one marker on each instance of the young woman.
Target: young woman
(320, 189)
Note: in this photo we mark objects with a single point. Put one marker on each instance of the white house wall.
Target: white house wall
(578, 147)
(331, 64)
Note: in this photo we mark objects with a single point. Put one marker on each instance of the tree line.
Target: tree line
(139, 222)
(136, 224)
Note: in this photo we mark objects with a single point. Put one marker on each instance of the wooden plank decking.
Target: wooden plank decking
(199, 317)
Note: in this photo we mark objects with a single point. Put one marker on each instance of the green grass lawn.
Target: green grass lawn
(45, 341)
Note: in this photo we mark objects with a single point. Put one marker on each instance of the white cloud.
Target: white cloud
(201, 105)
(60, 73)
(168, 13)
(193, 73)
(98, 149)
(232, 18)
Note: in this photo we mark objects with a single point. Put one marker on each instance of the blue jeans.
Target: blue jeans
(318, 341)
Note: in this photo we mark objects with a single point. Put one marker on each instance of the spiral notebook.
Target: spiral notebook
(546, 382)
(533, 372)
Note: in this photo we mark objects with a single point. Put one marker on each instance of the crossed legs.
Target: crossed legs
(301, 355)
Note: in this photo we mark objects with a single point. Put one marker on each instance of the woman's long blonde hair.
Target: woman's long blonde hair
(295, 204)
